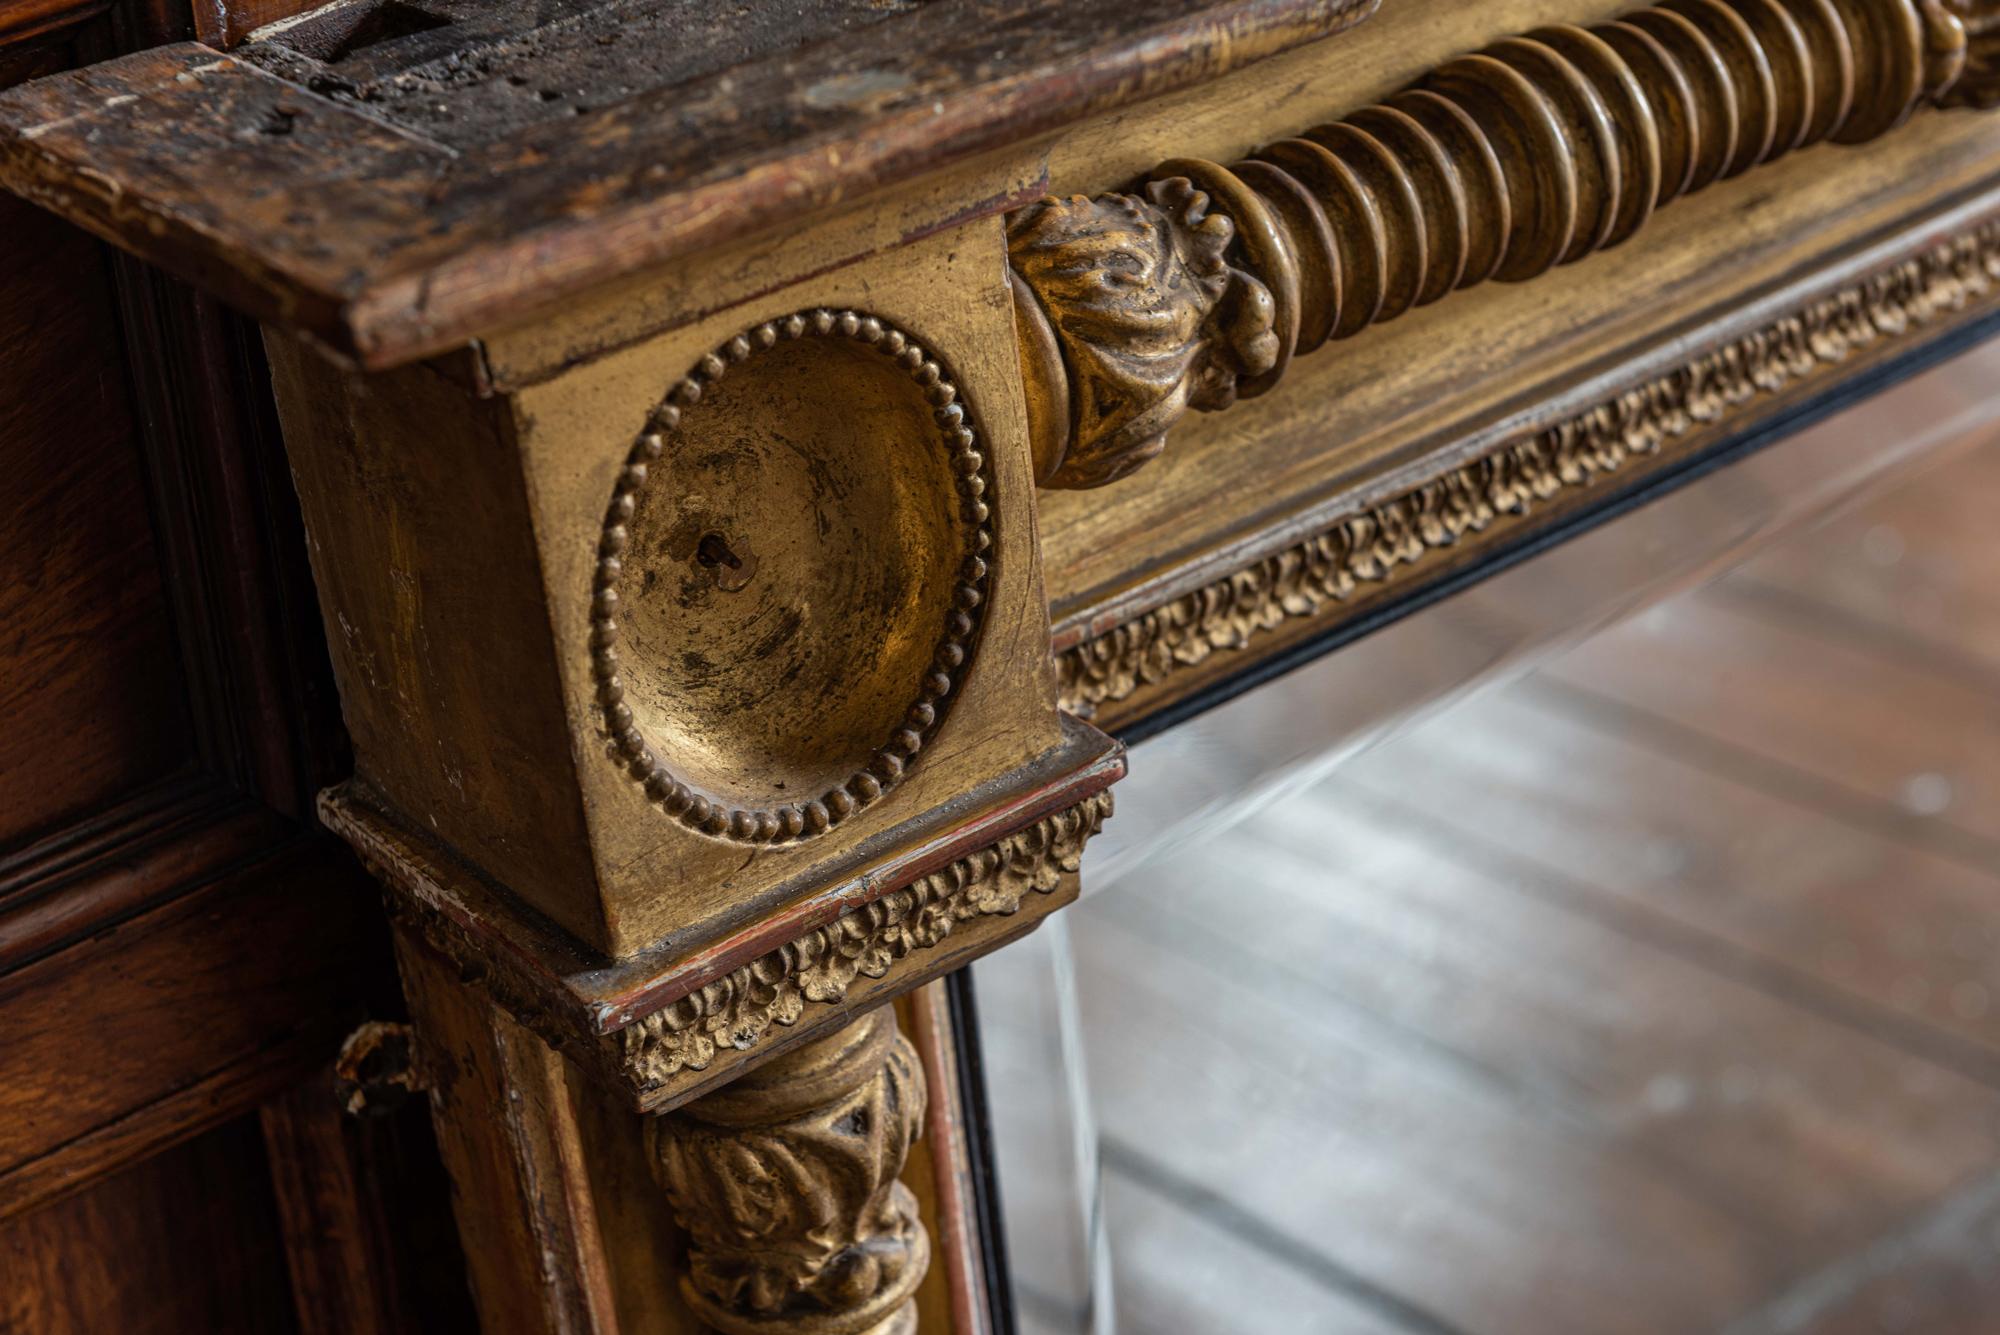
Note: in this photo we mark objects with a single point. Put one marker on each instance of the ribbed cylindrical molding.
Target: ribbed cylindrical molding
(1548, 147)
(1503, 164)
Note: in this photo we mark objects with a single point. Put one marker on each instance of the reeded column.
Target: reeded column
(786, 1182)
(1536, 152)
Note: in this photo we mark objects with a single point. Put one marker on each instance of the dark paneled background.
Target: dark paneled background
(181, 950)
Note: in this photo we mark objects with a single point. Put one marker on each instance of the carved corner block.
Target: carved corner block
(701, 690)
(1503, 164)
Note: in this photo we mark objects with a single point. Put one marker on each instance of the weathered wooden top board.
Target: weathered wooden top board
(392, 177)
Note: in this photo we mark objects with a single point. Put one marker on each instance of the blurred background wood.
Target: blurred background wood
(1658, 991)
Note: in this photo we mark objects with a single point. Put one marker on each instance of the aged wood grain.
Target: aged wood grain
(511, 1141)
(1913, 568)
(410, 243)
(1803, 697)
(1457, 1164)
(23, 19)
(366, 1215)
(1670, 843)
(1815, 1132)
(186, 1241)
(201, 1007)
(88, 669)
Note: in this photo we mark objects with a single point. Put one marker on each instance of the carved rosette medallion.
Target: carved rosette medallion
(786, 1184)
(791, 574)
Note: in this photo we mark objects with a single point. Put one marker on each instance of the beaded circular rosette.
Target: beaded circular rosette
(805, 817)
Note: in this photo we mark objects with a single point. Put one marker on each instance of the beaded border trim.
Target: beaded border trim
(805, 818)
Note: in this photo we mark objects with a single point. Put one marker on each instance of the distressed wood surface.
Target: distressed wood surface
(386, 229)
(83, 600)
(194, 1010)
(173, 951)
(566, 1227)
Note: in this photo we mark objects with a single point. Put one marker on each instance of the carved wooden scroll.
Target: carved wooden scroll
(1536, 152)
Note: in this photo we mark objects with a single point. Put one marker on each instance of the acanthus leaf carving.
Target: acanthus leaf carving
(786, 1182)
(1149, 316)
(1150, 306)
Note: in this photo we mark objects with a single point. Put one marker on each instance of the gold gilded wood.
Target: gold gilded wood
(711, 632)
(736, 1011)
(561, 1189)
(1536, 152)
(786, 1183)
(1121, 673)
(701, 690)
(664, 1036)
(1980, 84)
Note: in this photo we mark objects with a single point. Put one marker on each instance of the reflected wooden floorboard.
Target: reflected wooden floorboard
(1658, 992)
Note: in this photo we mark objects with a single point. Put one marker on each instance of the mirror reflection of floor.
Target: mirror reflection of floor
(1657, 993)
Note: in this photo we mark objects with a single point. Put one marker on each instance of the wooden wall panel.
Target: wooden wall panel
(90, 686)
(24, 19)
(164, 1023)
(186, 1241)
(180, 952)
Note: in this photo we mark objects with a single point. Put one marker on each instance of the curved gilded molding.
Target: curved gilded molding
(1422, 527)
(677, 794)
(739, 1009)
(1536, 152)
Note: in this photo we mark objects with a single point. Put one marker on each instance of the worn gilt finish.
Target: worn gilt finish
(1148, 316)
(1980, 84)
(1533, 153)
(786, 1183)
(1425, 527)
(737, 1011)
(673, 498)
(690, 639)
(757, 603)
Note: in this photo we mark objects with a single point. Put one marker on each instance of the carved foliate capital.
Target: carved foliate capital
(1136, 297)
(786, 1183)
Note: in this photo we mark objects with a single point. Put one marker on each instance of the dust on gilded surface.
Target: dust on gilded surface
(465, 72)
